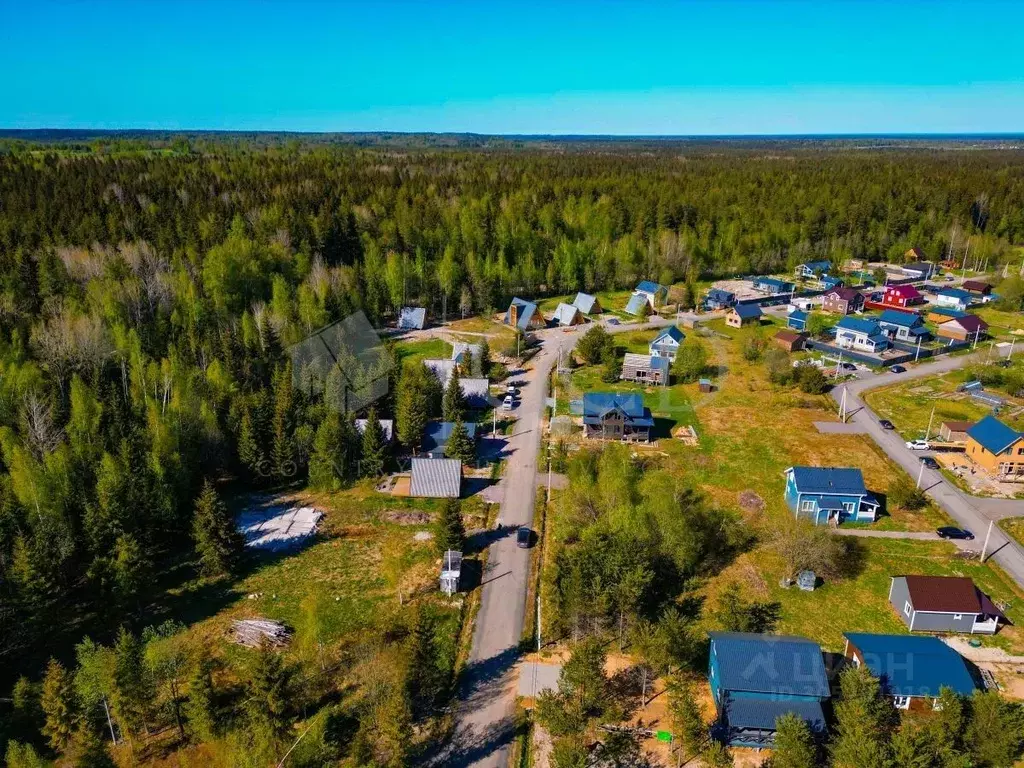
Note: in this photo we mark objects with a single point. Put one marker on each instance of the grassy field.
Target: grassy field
(1014, 526)
(1000, 322)
(750, 431)
(415, 352)
(909, 405)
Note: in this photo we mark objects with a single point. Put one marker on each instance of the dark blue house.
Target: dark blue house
(829, 494)
(905, 326)
(755, 679)
(437, 434)
(719, 298)
(912, 669)
(772, 285)
(615, 416)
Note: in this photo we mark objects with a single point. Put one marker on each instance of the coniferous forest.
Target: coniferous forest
(149, 288)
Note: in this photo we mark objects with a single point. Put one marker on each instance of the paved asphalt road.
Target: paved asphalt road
(968, 511)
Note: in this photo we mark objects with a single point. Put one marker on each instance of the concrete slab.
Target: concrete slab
(536, 678)
(838, 428)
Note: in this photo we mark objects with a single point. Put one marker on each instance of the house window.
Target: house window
(807, 506)
(901, 702)
(849, 507)
(957, 616)
(907, 608)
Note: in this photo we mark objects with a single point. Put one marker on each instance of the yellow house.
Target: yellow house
(998, 450)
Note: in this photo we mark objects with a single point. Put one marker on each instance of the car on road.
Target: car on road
(929, 462)
(897, 369)
(918, 445)
(508, 403)
(613, 321)
(950, 278)
(512, 391)
(885, 424)
(524, 537)
(951, 532)
(849, 367)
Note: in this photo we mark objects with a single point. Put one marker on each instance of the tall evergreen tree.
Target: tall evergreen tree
(862, 722)
(218, 542)
(283, 426)
(133, 692)
(460, 446)
(453, 405)
(413, 407)
(794, 744)
(201, 704)
(59, 705)
(426, 679)
(267, 691)
(450, 533)
(374, 446)
(485, 358)
(326, 463)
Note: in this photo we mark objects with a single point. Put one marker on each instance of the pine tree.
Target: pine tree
(59, 705)
(20, 755)
(426, 680)
(131, 569)
(413, 407)
(485, 358)
(374, 446)
(794, 743)
(459, 445)
(133, 692)
(862, 720)
(267, 689)
(326, 463)
(218, 542)
(687, 719)
(26, 714)
(996, 730)
(200, 706)
(453, 404)
(89, 748)
(450, 532)
(249, 453)
(283, 427)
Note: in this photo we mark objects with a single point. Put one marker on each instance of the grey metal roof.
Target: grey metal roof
(476, 391)
(565, 314)
(776, 664)
(436, 478)
(460, 348)
(442, 369)
(526, 312)
(585, 303)
(636, 303)
(412, 318)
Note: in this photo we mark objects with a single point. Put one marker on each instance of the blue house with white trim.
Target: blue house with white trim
(666, 343)
(825, 495)
(912, 669)
(755, 679)
(957, 298)
(719, 298)
(905, 326)
(772, 285)
(861, 335)
(797, 320)
(812, 269)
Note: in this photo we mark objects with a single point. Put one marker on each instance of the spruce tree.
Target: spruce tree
(133, 692)
(426, 679)
(862, 721)
(374, 446)
(218, 542)
(459, 445)
(249, 453)
(450, 532)
(453, 404)
(267, 691)
(131, 569)
(59, 705)
(283, 427)
(485, 358)
(326, 461)
(200, 706)
(794, 744)
(413, 407)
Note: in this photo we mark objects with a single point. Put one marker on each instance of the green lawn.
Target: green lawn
(1014, 526)
(413, 352)
(1000, 322)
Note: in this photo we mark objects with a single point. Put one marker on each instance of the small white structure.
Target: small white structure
(451, 571)
(278, 527)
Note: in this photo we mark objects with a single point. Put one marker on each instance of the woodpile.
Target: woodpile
(252, 633)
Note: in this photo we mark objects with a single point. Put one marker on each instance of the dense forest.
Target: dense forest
(148, 291)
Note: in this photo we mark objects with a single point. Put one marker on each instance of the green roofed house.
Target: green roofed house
(755, 679)
(912, 669)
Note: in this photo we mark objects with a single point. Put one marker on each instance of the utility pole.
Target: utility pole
(928, 433)
(920, 475)
(917, 352)
(984, 549)
(977, 333)
(842, 406)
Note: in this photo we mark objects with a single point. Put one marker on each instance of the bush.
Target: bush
(778, 365)
(691, 360)
(811, 380)
(591, 348)
(906, 495)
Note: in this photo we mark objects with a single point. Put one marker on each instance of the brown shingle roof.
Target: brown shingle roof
(788, 336)
(958, 426)
(944, 594)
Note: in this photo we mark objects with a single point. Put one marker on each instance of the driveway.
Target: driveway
(968, 511)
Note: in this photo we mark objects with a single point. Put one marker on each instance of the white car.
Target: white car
(512, 391)
(508, 403)
(918, 445)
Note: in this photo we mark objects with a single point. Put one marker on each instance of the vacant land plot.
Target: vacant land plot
(413, 352)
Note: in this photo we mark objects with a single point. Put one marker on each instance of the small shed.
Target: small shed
(451, 571)
(955, 431)
(791, 341)
(567, 315)
(705, 385)
(807, 580)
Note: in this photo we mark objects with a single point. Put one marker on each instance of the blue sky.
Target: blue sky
(502, 67)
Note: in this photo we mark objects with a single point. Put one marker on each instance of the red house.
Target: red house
(901, 296)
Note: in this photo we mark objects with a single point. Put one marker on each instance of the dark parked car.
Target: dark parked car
(929, 462)
(849, 367)
(524, 537)
(949, 532)
(886, 424)
(898, 369)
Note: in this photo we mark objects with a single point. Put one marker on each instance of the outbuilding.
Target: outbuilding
(943, 604)
(791, 341)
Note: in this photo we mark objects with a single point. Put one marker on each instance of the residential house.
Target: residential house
(791, 341)
(442, 369)
(719, 298)
(828, 282)
(914, 254)
(965, 328)
(645, 369)
(387, 426)
(756, 679)
(524, 315)
(901, 296)
(941, 314)
(654, 294)
(436, 478)
(437, 434)
(997, 449)
(797, 320)
(412, 318)
(616, 416)
(956, 298)
(812, 269)
(919, 270)
(912, 669)
(904, 326)
(743, 314)
(462, 352)
(954, 431)
(829, 495)
(666, 343)
(979, 287)
(587, 304)
(772, 286)
(861, 335)
(637, 304)
(475, 390)
(944, 604)
(842, 301)
(567, 315)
